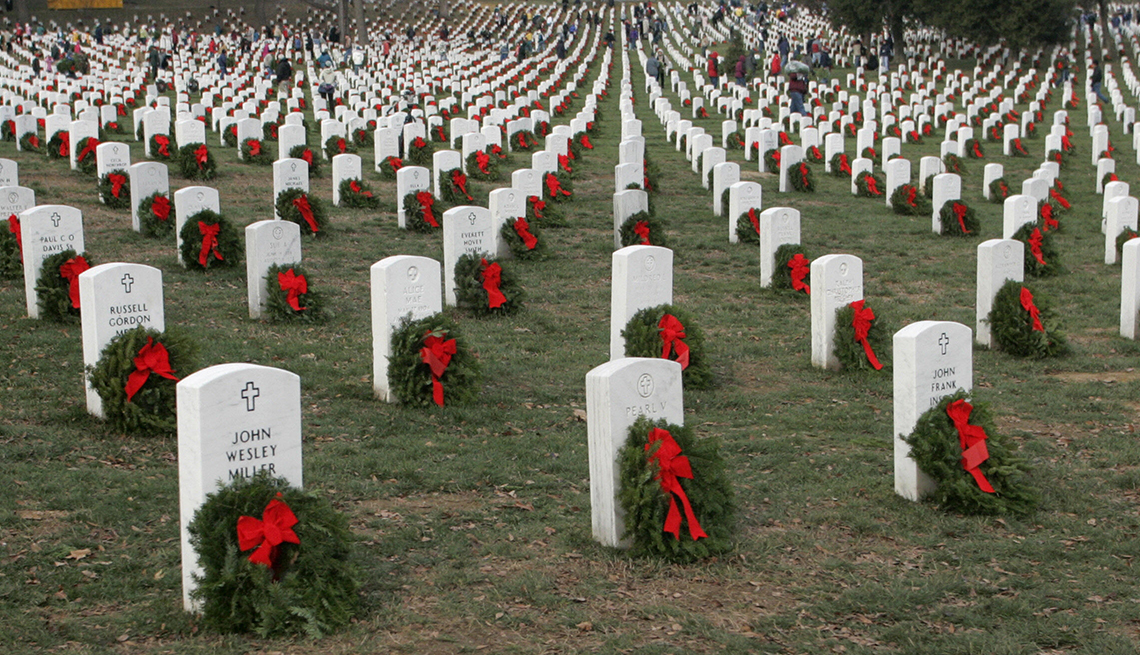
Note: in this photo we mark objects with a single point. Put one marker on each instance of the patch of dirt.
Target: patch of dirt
(426, 503)
(1129, 375)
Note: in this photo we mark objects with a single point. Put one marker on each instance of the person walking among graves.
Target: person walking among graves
(784, 47)
(1062, 68)
(327, 87)
(797, 89)
(1096, 76)
(739, 72)
(714, 71)
(222, 63)
(284, 74)
(652, 66)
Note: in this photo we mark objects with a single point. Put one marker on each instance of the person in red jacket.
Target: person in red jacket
(714, 72)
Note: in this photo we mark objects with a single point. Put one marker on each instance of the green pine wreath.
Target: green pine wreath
(801, 177)
(629, 237)
(493, 173)
(1012, 325)
(54, 144)
(53, 291)
(262, 158)
(449, 188)
(652, 175)
(289, 212)
(362, 199)
(87, 163)
(1049, 252)
(389, 166)
(419, 152)
(772, 161)
(189, 167)
(151, 225)
(362, 138)
(410, 379)
(746, 232)
(11, 259)
(229, 136)
(314, 161)
(646, 503)
(1124, 237)
(152, 409)
(974, 149)
(156, 149)
(414, 218)
(875, 156)
(928, 187)
(863, 186)
(550, 216)
(781, 274)
(277, 300)
(936, 449)
(8, 130)
(850, 352)
(1057, 156)
(229, 242)
(837, 165)
(106, 189)
(519, 248)
(908, 200)
(1108, 177)
(564, 182)
(269, 131)
(30, 142)
(312, 591)
(642, 336)
(999, 191)
(523, 141)
(469, 291)
(725, 197)
(954, 164)
(950, 224)
(338, 145)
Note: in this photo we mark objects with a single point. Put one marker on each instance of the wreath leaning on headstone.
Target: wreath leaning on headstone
(115, 189)
(362, 138)
(30, 142)
(86, 157)
(907, 200)
(431, 363)
(544, 214)
(558, 187)
(160, 146)
(11, 255)
(423, 212)
(156, 215)
(419, 152)
(748, 226)
(357, 194)
(870, 185)
(792, 270)
(677, 498)
(861, 340)
(59, 145)
(1124, 237)
(526, 241)
(299, 207)
(953, 164)
(801, 177)
(57, 288)
(338, 145)
(301, 581)
(269, 132)
(453, 187)
(670, 332)
(523, 141)
(136, 376)
(1025, 325)
(306, 153)
(196, 162)
(486, 287)
(208, 238)
(8, 130)
(483, 166)
(289, 296)
(958, 219)
(1042, 259)
(999, 191)
(254, 151)
(229, 136)
(840, 165)
(643, 229)
(955, 434)
(974, 150)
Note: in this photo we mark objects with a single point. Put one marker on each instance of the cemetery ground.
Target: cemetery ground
(474, 521)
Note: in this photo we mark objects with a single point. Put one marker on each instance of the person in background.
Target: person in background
(327, 87)
(739, 72)
(714, 71)
(797, 89)
(1096, 76)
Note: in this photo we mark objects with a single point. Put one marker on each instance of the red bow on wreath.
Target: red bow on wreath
(64, 144)
(1047, 219)
(564, 163)
(209, 242)
(977, 150)
(554, 186)
(88, 149)
(356, 188)
(160, 208)
(1059, 198)
(152, 358)
(419, 142)
(341, 146)
(437, 354)
(460, 182)
(754, 219)
(294, 287)
(911, 194)
(163, 145)
(482, 160)
(537, 204)
(641, 229)
(522, 228)
(492, 275)
(254, 147)
(273, 529)
(301, 202)
(862, 324)
(1028, 305)
(585, 141)
(14, 228)
(202, 156)
(960, 212)
(672, 333)
(522, 140)
(843, 164)
(972, 439)
(1035, 239)
(800, 266)
(426, 200)
(70, 270)
(672, 465)
(117, 181)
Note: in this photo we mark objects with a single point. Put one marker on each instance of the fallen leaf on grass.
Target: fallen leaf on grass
(585, 626)
(79, 554)
(39, 515)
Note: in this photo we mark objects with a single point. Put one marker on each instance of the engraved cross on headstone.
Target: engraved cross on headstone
(944, 341)
(249, 394)
(55, 219)
(127, 281)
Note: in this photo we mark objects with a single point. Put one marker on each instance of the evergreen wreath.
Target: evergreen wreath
(310, 302)
(907, 200)
(928, 187)
(229, 242)
(87, 159)
(914, 137)
(1031, 130)
(11, 259)
(958, 222)
(53, 290)
(651, 175)
(953, 164)
(850, 352)
(107, 190)
(312, 590)
(191, 167)
(389, 166)
(1013, 326)
(419, 152)
(999, 191)
(415, 219)
(229, 136)
(801, 177)
(643, 338)
(150, 224)
(156, 148)
(974, 149)
(362, 138)
(57, 147)
(813, 155)
(410, 378)
(523, 141)
(8, 130)
(566, 192)
(30, 142)
(936, 448)
(748, 226)
(1124, 237)
(1108, 177)
(1033, 237)
(1017, 149)
(288, 210)
(870, 185)
(642, 229)
(1057, 156)
(269, 132)
(305, 152)
(782, 274)
(454, 187)
(262, 157)
(544, 214)
(470, 292)
(772, 161)
(356, 194)
(753, 150)
(646, 504)
(875, 156)
(488, 172)
(532, 248)
(1048, 213)
(151, 411)
(840, 166)
(735, 141)
(338, 145)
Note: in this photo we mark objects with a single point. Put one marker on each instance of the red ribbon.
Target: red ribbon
(70, 270)
(522, 140)
(1058, 185)
(672, 333)
(522, 228)
(972, 439)
(1018, 147)
(426, 200)
(497, 150)
(307, 155)
(641, 228)
(911, 194)
(301, 202)
(1047, 219)
(862, 324)
(537, 204)
(294, 287)
(754, 219)
(492, 275)
(564, 162)
(1059, 198)
(800, 266)
(671, 465)
(442, 136)
(273, 529)
(482, 160)
(355, 186)
(977, 150)
(152, 358)
(704, 114)
(419, 142)
(437, 354)
(554, 186)
(804, 174)
(960, 211)
(209, 242)
(202, 156)
(585, 141)
(1066, 144)
(844, 165)
(64, 143)
(460, 181)
(871, 186)
(776, 158)
(162, 142)
(1028, 305)
(34, 141)
(117, 182)
(1035, 246)
(14, 228)
(815, 153)
(121, 110)
(872, 152)
(92, 143)
(341, 145)
(160, 208)
(254, 147)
